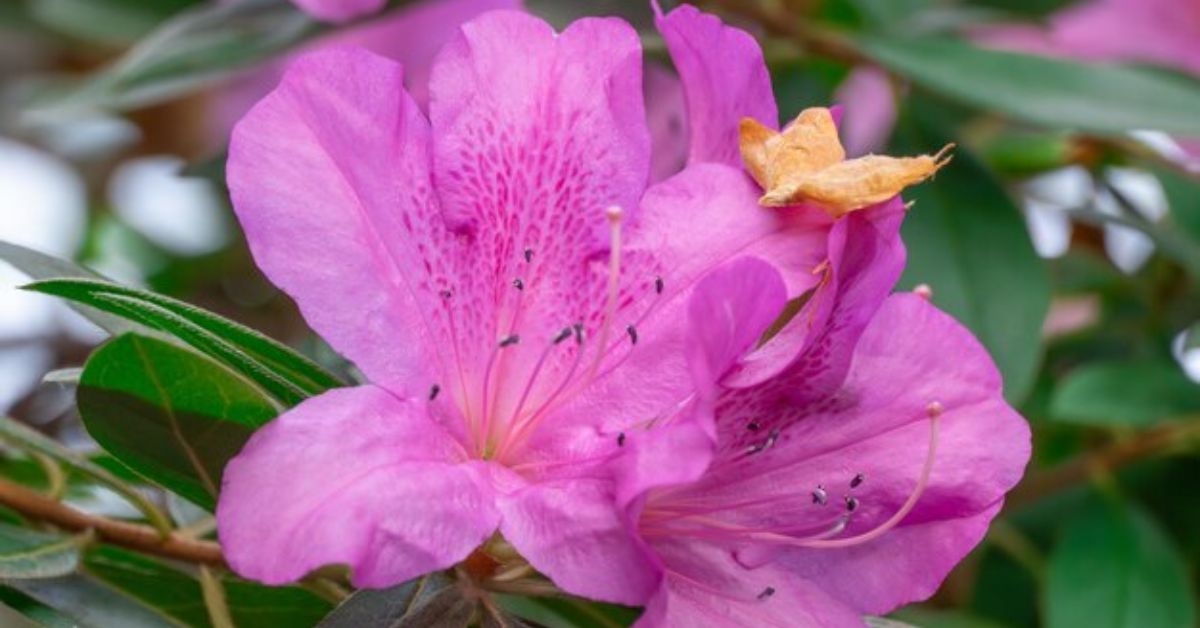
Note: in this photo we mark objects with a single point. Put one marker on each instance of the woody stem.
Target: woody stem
(130, 535)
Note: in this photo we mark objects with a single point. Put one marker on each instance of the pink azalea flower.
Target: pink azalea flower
(841, 468)
(505, 280)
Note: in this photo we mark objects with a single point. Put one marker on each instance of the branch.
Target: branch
(782, 24)
(130, 535)
(1085, 466)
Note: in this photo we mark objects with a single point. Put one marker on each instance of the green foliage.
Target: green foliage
(1125, 393)
(26, 553)
(169, 413)
(1052, 92)
(1115, 568)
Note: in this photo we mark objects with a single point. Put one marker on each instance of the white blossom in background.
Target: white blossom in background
(43, 205)
(184, 215)
(1128, 248)
(1189, 359)
(1044, 199)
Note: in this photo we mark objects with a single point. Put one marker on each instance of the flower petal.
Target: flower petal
(877, 424)
(572, 531)
(339, 10)
(724, 78)
(704, 586)
(353, 477)
(865, 259)
(728, 313)
(666, 113)
(329, 176)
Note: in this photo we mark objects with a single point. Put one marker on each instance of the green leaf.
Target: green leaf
(41, 266)
(1103, 99)
(277, 369)
(1116, 568)
(172, 415)
(31, 554)
(31, 440)
(178, 595)
(1125, 393)
(104, 21)
(967, 240)
(432, 600)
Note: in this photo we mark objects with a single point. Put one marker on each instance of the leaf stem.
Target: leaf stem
(130, 535)
(214, 599)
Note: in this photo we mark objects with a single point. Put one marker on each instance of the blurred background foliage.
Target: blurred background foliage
(1066, 235)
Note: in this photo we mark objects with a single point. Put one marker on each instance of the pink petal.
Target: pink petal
(878, 424)
(689, 225)
(573, 532)
(704, 586)
(865, 257)
(339, 10)
(330, 179)
(728, 313)
(411, 35)
(352, 477)
(870, 110)
(724, 78)
(666, 113)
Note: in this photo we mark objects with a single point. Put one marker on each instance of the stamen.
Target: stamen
(658, 285)
(445, 294)
(433, 392)
(858, 480)
(766, 593)
(509, 340)
(562, 335)
(934, 410)
(485, 428)
(632, 331)
(528, 253)
(753, 426)
(614, 215)
(851, 504)
(765, 445)
(621, 439)
(819, 496)
(518, 284)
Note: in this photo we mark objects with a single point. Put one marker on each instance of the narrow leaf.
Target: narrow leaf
(28, 554)
(38, 265)
(431, 598)
(279, 370)
(1057, 93)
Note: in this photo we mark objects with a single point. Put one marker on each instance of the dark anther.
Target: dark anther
(562, 335)
(433, 392)
(445, 294)
(528, 255)
(632, 331)
(851, 504)
(658, 285)
(819, 495)
(578, 327)
(858, 479)
(510, 340)
(518, 284)
(771, 438)
(766, 593)
(621, 439)
(753, 426)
